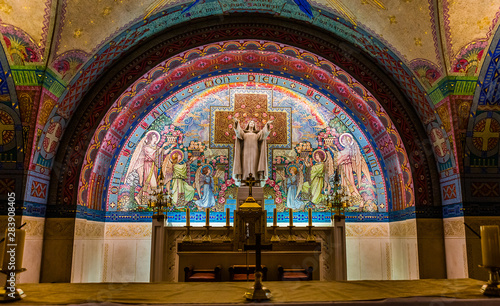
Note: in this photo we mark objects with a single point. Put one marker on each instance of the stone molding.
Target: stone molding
(360, 230)
(128, 230)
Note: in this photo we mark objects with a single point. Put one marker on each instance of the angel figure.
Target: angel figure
(320, 172)
(208, 198)
(351, 161)
(294, 184)
(176, 174)
(143, 164)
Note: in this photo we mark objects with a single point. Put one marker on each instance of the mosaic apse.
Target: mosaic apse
(191, 143)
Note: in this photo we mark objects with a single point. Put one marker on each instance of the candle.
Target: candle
(310, 217)
(291, 217)
(227, 216)
(188, 217)
(13, 250)
(208, 217)
(275, 217)
(490, 246)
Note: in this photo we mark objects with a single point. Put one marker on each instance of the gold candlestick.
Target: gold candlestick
(490, 245)
(291, 236)
(11, 293)
(274, 237)
(491, 288)
(226, 237)
(207, 237)
(187, 237)
(490, 248)
(310, 236)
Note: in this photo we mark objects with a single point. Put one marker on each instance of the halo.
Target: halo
(344, 137)
(321, 152)
(209, 167)
(153, 132)
(289, 167)
(177, 152)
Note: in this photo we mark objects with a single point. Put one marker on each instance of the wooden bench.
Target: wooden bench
(243, 273)
(202, 275)
(299, 274)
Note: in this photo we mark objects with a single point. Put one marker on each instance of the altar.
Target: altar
(171, 253)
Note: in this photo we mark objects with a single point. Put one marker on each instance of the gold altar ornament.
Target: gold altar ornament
(490, 248)
(12, 262)
(258, 292)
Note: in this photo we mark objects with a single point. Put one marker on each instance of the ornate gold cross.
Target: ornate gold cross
(249, 106)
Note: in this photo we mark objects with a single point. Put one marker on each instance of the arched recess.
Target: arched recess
(92, 110)
(11, 141)
(481, 157)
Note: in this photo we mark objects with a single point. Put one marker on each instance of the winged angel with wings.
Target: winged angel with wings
(204, 183)
(143, 167)
(351, 162)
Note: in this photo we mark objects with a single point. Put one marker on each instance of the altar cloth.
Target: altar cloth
(291, 293)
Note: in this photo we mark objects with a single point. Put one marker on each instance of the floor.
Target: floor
(416, 292)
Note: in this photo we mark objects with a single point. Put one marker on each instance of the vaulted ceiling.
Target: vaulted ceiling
(432, 50)
(436, 33)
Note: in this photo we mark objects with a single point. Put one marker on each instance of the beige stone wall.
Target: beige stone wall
(127, 252)
(111, 252)
(382, 251)
(455, 246)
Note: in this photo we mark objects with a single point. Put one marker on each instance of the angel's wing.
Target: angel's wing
(197, 178)
(168, 169)
(281, 173)
(329, 169)
(300, 181)
(137, 159)
(359, 163)
(219, 175)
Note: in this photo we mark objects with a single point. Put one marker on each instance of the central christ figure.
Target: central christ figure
(250, 152)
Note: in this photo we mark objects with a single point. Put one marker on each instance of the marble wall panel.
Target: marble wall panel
(87, 251)
(126, 252)
(455, 246)
(32, 257)
(382, 251)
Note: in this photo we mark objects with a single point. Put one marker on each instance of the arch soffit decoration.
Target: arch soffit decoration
(12, 141)
(483, 129)
(129, 38)
(217, 30)
(152, 88)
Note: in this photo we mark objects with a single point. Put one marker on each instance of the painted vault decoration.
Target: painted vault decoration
(191, 144)
(345, 130)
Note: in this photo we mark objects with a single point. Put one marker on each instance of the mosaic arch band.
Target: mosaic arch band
(205, 145)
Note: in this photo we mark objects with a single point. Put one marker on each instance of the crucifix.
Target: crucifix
(250, 181)
(258, 247)
(258, 292)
